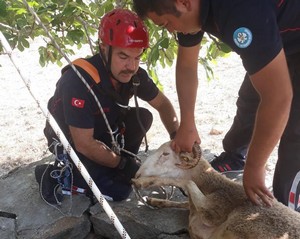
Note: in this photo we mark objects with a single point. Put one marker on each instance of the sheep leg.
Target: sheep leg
(187, 186)
(203, 206)
(145, 182)
(162, 203)
(199, 205)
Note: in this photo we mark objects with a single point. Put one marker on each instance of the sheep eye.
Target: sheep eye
(165, 154)
(186, 159)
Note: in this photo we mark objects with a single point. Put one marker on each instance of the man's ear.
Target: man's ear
(183, 5)
(102, 47)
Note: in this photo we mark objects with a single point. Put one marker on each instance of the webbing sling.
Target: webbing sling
(89, 68)
(94, 74)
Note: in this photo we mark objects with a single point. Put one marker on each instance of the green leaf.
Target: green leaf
(76, 35)
(225, 48)
(20, 47)
(69, 11)
(21, 11)
(25, 43)
(154, 77)
(72, 22)
(164, 43)
(153, 56)
(3, 9)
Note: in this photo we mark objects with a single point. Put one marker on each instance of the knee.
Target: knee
(146, 118)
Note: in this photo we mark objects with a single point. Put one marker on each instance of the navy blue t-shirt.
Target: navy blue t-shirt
(73, 104)
(255, 29)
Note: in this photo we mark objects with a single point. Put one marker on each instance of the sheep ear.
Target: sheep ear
(190, 160)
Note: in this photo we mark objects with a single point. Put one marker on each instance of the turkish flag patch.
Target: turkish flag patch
(78, 103)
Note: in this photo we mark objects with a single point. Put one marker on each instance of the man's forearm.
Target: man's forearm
(100, 153)
(271, 120)
(187, 92)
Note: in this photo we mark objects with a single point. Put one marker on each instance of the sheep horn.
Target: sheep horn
(188, 161)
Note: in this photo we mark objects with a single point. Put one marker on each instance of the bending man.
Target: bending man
(266, 35)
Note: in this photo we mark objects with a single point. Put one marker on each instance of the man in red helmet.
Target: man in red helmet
(115, 78)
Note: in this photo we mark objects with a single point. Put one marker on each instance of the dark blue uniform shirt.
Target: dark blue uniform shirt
(255, 29)
(73, 104)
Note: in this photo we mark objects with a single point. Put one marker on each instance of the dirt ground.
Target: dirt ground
(22, 122)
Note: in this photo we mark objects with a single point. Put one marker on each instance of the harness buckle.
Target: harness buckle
(135, 80)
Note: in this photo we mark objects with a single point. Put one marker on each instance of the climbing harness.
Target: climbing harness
(92, 71)
(136, 83)
(119, 134)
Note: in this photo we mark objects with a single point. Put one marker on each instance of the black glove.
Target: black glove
(127, 167)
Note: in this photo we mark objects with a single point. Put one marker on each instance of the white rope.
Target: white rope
(112, 216)
(39, 22)
(115, 146)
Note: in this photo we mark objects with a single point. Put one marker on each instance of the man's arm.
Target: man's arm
(274, 87)
(93, 149)
(166, 111)
(187, 84)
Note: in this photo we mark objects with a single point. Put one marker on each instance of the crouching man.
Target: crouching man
(115, 76)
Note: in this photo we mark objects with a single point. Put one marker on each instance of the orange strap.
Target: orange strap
(89, 68)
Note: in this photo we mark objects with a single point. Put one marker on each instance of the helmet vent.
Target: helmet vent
(123, 28)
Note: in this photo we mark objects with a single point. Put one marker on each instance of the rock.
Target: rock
(141, 222)
(23, 214)
(7, 227)
(33, 217)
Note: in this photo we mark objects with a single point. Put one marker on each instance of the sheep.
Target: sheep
(219, 207)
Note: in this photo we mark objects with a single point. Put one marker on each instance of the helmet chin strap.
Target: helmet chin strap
(107, 62)
(136, 83)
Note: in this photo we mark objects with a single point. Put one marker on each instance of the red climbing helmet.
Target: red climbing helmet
(123, 28)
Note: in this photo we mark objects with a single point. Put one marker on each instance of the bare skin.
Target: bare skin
(275, 90)
(272, 84)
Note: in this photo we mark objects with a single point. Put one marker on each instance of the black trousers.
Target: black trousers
(238, 137)
(106, 178)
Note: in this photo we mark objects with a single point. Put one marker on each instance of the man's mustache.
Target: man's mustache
(127, 72)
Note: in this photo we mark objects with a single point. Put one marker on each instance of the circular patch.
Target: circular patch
(242, 37)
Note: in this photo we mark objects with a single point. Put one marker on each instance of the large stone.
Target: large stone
(24, 215)
(7, 227)
(33, 217)
(141, 222)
